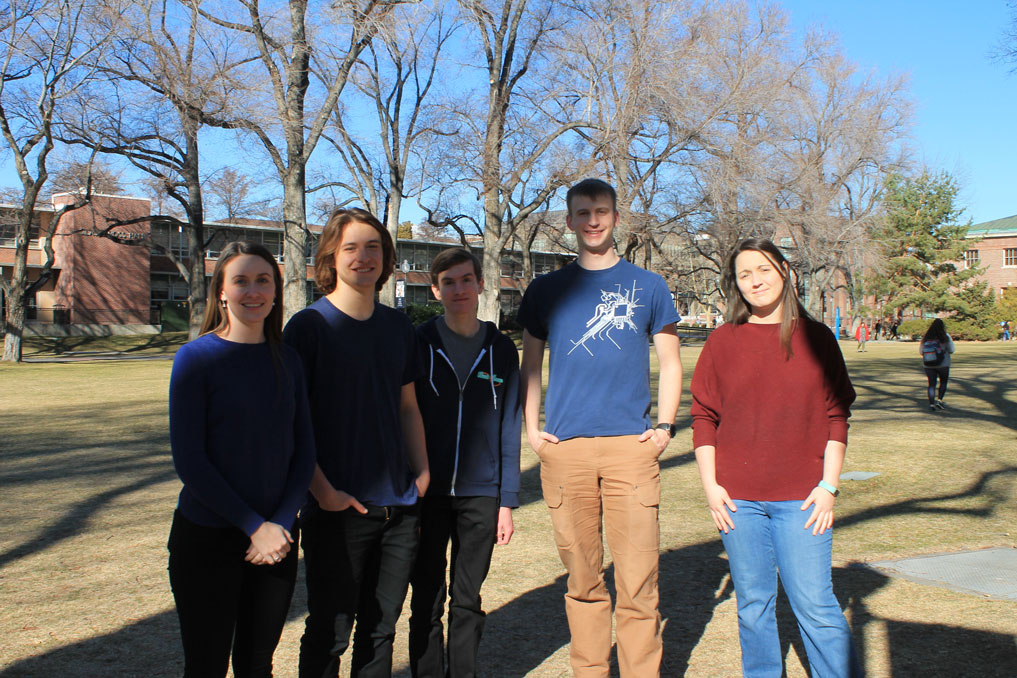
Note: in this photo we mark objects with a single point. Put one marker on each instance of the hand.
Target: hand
(719, 502)
(660, 438)
(505, 526)
(822, 513)
(337, 500)
(535, 438)
(423, 481)
(269, 544)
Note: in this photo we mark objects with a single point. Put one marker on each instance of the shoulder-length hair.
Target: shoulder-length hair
(739, 310)
(937, 330)
(216, 318)
(331, 238)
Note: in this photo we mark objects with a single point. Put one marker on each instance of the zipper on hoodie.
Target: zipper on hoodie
(459, 416)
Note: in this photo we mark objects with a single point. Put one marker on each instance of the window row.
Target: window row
(972, 258)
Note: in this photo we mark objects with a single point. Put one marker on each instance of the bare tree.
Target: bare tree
(395, 77)
(507, 139)
(167, 71)
(287, 53)
(46, 46)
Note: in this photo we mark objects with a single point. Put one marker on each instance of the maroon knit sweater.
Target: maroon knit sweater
(770, 418)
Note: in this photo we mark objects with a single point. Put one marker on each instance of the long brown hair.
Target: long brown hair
(937, 330)
(331, 237)
(738, 310)
(216, 318)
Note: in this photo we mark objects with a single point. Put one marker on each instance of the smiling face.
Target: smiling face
(760, 281)
(248, 290)
(593, 221)
(358, 258)
(459, 289)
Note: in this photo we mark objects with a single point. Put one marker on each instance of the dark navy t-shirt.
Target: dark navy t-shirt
(355, 370)
(598, 326)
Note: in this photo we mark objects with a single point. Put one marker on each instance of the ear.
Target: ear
(436, 292)
(480, 285)
(568, 222)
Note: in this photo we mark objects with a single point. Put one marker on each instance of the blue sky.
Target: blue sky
(965, 103)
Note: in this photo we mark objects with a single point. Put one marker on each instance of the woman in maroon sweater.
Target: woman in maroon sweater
(771, 399)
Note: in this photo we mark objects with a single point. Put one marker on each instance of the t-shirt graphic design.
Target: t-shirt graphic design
(614, 312)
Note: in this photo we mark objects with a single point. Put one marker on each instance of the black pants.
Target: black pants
(471, 524)
(943, 374)
(224, 602)
(358, 567)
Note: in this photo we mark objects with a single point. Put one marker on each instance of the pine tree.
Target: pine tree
(923, 241)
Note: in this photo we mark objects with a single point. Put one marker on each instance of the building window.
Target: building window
(971, 258)
(1010, 256)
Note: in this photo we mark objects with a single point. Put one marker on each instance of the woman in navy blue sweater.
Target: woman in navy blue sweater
(242, 444)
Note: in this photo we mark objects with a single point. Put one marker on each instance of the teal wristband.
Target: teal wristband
(828, 487)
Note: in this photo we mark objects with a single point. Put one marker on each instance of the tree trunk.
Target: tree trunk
(14, 308)
(196, 287)
(295, 243)
(395, 199)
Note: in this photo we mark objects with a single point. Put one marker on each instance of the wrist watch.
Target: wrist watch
(670, 428)
(828, 487)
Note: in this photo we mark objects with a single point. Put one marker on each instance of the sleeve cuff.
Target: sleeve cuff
(510, 499)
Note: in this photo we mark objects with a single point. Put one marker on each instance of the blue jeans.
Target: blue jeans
(769, 537)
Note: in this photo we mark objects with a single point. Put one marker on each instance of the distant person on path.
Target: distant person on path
(1005, 325)
(599, 449)
(469, 401)
(936, 348)
(771, 399)
(360, 524)
(862, 336)
(877, 330)
(240, 431)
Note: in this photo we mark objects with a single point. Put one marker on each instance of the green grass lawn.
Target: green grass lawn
(88, 492)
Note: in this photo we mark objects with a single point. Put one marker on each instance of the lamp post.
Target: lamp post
(401, 285)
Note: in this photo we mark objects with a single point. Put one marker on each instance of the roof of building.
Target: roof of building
(996, 227)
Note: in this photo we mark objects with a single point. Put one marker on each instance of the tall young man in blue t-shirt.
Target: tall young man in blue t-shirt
(360, 525)
(469, 399)
(599, 448)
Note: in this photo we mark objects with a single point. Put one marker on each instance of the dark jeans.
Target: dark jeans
(471, 524)
(224, 602)
(943, 374)
(358, 567)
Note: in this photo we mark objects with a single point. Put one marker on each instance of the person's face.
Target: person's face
(593, 221)
(358, 259)
(458, 289)
(248, 288)
(759, 281)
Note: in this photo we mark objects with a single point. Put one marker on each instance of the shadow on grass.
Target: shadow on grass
(974, 376)
(166, 342)
(522, 634)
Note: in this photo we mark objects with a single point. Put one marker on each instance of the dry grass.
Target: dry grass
(88, 491)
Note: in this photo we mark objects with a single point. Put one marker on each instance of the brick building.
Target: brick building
(995, 251)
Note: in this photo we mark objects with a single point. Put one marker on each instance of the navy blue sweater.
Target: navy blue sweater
(242, 445)
(472, 434)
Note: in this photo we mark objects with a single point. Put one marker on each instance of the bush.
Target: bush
(965, 330)
(421, 313)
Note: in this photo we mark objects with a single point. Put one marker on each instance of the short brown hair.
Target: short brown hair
(332, 237)
(454, 256)
(592, 189)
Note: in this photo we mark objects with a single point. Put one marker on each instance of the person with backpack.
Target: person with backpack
(936, 348)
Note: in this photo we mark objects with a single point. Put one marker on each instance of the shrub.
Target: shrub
(421, 313)
(965, 330)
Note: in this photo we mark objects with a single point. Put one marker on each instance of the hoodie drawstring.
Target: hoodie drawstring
(490, 362)
(430, 376)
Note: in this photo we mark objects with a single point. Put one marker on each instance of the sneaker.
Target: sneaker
(932, 406)
(939, 404)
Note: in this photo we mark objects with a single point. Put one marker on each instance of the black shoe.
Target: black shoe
(939, 404)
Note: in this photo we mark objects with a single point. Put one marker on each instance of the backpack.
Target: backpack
(932, 352)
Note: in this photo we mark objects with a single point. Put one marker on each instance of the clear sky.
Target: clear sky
(965, 103)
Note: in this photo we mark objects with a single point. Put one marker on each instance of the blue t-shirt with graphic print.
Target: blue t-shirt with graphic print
(598, 326)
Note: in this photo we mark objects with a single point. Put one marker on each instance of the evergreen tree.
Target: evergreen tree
(923, 242)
